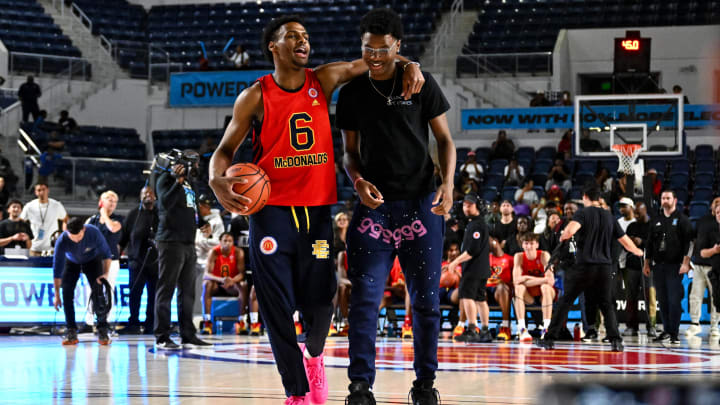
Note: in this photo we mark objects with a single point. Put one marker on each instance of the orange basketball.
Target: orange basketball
(256, 189)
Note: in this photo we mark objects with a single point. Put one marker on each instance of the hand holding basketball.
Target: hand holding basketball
(230, 200)
(252, 186)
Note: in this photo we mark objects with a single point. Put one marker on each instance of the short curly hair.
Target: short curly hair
(270, 31)
(382, 21)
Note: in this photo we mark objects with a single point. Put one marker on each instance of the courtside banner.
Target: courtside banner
(27, 293)
(696, 115)
(210, 89)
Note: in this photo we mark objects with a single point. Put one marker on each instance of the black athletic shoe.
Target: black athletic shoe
(662, 338)
(71, 338)
(103, 337)
(360, 394)
(485, 337)
(166, 344)
(470, 335)
(195, 343)
(545, 343)
(616, 345)
(590, 336)
(605, 339)
(423, 393)
(674, 340)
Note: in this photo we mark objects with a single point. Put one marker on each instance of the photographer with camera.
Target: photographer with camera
(139, 238)
(175, 238)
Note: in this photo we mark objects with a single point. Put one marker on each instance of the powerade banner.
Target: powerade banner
(696, 115)
(27, 293)
(210, 89)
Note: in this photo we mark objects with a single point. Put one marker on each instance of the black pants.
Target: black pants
(634, 287)
(30, 108)
(596, 282)
(176, 265)
(92, 269)
(141, 276)
(669, 288)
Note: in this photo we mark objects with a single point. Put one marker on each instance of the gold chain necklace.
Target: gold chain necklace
(388, 97)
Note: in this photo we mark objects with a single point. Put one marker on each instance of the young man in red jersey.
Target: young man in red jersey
(290, 238)
(500, 283)
(532, 283)
(225, 276)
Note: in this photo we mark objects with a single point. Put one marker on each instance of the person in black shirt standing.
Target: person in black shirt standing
(476, 270)
(14, 232)
(29, 93)
(387, 157)
(506, 226)
(637, 232)
(175, 238)
(139, 238)
(668, 258)
(592, 273)
(701, 269)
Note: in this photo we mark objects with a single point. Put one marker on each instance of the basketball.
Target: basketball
(256, 189)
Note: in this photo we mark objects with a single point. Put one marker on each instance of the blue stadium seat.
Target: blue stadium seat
(489, 193)
(679, 180)
(525, 153)
(497, 166)
(705, 165)
(703, 194)
(508, 193)
(698, 208)
(704, 179)
(542, 166)
(494, 180)
(546, 152)
(682, 195)
(704, 152)
(588, 166)
(680, 166)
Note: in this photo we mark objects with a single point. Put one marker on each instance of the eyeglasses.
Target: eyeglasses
(379, 51)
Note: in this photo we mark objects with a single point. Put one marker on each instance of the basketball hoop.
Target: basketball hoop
(627, 155)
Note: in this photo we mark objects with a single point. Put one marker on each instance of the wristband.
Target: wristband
(355, 182)
(411, 63)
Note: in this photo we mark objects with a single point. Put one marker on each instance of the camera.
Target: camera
(165, 161)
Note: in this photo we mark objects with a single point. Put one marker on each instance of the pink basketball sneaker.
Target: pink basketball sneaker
(315, 371)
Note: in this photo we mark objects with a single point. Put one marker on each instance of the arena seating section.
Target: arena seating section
(178, 28)
(694, 179)
(24, 27)
(518, 26)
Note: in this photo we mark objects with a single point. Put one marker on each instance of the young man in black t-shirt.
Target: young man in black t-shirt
(592, 274)
(14, 232)
(401, 210)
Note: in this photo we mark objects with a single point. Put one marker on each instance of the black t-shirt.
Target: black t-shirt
(112, 238)
(637, 230)
(594, 239)
(9, 228)
(138, 233)
(393, 139)
(176, 210)
(476, 243)
(502, 232)
(705, 225)
(676, 231)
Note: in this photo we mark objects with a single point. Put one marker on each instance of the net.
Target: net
(627, 154)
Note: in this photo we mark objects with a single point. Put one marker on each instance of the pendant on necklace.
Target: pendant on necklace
(389, 101)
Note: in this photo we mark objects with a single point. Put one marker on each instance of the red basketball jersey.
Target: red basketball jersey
(295, 146)
(501, 269)
(225, 266)
(533, 268)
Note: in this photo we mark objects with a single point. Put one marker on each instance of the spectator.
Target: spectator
(6, 171)
(506, 225)
(679, 90)
(559, 174)
(549, 238)
(565, 100)
(110, 226)
(655, 181)
(55, 142)
(342, 221)
(66, 121)
(587, 144)
(533, 285)
(555, 194)
(637, 231)
(539, 217)
(450, 280)
(514, 242)
(493, 213)
(472, 168)
(527, 195)
(14, 232)
(570, 208)
(207, 236)
(239, 58)
(396, 294)
(225, 276)
(4, 193)
(81, 249)
(342, 297)
(707, 238)
(48, 160)
(603, 180)
(138, 236)
(539, 100)
(46, 216)
(499, 285)
(467, 185)
(668, 257)
(503, 147)
(452, 231)
(28, 93)
(514, 173)
(565, 145)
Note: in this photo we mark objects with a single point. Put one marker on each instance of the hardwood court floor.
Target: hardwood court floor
(240, 370)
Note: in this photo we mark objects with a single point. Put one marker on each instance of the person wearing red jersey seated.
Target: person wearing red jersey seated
(225, 276)
(500, 283)
(449, 282)
(395, 294)
(532, 283)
